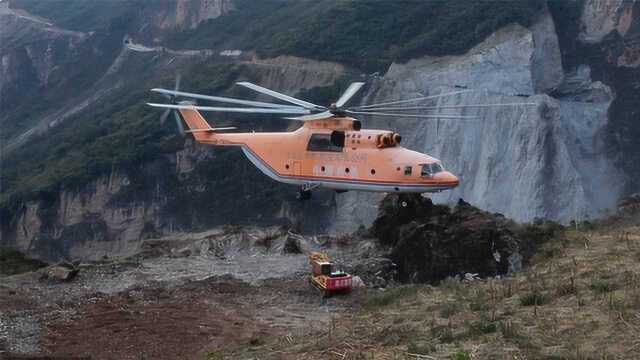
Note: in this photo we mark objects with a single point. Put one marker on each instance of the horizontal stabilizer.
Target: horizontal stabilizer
(211, 129)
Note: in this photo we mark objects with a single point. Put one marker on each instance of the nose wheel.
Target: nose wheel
(303, 194)
(305, 191)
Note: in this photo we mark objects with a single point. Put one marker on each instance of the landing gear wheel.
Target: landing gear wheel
(303, 194)
(402, 201)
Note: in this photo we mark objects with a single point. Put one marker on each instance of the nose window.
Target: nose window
(431, 169)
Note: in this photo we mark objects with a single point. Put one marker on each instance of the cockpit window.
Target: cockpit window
(431, 169)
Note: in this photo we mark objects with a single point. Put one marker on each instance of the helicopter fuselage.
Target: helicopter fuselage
(333, 153)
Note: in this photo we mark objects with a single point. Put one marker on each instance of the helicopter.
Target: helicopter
(330, 150)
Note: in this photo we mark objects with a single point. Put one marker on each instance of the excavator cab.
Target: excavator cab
(324, 278)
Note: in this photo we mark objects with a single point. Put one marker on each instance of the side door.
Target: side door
(297, 168)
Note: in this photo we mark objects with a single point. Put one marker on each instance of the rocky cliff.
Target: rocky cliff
(545, 159)
(193, 188)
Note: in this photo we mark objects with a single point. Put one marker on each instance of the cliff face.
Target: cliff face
(30, 51)
(186, 14)
(548, 159)
(600, 17)
(196, 187)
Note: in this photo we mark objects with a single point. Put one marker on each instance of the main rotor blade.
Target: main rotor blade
(178, 122)
(220, 99)
(277, 95)
(319, 116)
(410, 100)
(164, 116)
(238, 110)
(178, 80)
(348, 94)
(412, 115)
(400, 108)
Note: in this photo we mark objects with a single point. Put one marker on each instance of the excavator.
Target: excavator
(324, 278)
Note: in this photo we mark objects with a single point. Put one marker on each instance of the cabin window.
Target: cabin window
(431, 169)
(323, 142)
(407, 170)
(373, 171)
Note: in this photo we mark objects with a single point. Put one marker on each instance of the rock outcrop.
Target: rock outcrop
(601, 17)
(431, 242)
(29, 47)
(188, 14)
(546, 158)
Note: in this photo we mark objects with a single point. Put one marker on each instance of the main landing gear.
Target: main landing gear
(305, 191)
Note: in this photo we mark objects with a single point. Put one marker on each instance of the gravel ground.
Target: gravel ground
(193, 293)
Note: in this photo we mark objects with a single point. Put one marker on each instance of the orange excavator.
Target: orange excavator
(324, 278)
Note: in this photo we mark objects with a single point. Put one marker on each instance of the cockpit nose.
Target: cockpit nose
(447, 178)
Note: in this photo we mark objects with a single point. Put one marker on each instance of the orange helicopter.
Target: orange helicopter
(330, 150)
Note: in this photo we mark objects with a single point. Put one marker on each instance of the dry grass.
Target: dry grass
(579, 299)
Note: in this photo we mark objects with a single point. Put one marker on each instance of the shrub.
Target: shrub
(449, 309)
(602, 286)
(460, 355)
(392, 295)
(421, 348)
(534, 298)
(14, 262)
(483, 328)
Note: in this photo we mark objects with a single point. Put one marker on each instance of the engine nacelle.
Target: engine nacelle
(388, 140)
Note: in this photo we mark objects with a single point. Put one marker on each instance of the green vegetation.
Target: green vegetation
(76, 65)
(460, 355)
(392, 296)
(483, 328)
(534, 299)
(421, 348)
(83, 15)
(14, 262)
(118, 132)
(365, 34)
(602, 286)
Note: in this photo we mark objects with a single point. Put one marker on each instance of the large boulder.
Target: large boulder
(430, 242)
(61, 272)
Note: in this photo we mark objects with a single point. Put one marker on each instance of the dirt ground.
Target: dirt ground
(187, 321)
(166, 307)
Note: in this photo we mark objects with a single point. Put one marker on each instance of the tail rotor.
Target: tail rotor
(172, 100)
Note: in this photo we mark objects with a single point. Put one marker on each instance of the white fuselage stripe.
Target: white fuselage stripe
(342, 184)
